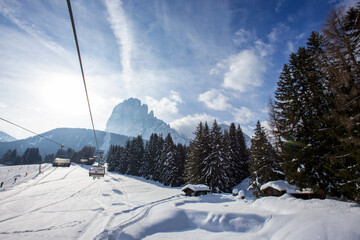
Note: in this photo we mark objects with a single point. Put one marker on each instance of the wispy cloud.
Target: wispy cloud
(12, 13)
(122, 31)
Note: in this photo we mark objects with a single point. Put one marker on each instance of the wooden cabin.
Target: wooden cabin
(196, 190)
(280, 187)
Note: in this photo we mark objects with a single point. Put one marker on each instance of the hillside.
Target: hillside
(75, 138)
(4, 137)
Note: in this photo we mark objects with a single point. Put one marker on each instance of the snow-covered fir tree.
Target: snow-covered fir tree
(264, 161)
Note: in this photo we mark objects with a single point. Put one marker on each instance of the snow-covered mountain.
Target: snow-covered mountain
(75, 138)
(4, 137)
(131, 118)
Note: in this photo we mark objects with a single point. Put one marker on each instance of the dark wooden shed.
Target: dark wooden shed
(195, 190)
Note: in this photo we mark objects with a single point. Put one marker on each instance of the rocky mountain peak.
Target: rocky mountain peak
(131, 118)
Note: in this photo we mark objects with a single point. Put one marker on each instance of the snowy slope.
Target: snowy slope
(64, 203)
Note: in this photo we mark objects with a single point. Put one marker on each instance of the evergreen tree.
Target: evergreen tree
(111, 158)
(195, 155)
(341, 64)
(31, 156)
(136, 152)
(10, 157)
(170, 174)
(49, 158)
(151, 157)
(301, 113)
(239, 155)
(158, 164)
(264, 161)
(216, 171)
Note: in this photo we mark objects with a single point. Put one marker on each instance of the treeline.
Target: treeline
(316, 111)
(159, 159)
(87, 152)
(30, 156)
(216, 158)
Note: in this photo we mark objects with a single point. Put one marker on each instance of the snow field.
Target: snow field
(64, 203)
(13, 175)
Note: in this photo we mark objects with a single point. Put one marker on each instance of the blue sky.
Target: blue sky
(189, 61)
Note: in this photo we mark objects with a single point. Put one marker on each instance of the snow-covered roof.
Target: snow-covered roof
(280, 185)
(196, 188)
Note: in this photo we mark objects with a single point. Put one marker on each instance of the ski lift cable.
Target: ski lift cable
(81, 67)
(61, 145)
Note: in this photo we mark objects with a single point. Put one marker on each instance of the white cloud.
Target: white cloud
(166, 108)
(244, 115)
(244, 71)
(187, 125)
(215, 100)
(175, 96)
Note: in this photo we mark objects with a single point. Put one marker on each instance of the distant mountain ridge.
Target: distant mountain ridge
(4, 137)
(75, 138)
(131, 118)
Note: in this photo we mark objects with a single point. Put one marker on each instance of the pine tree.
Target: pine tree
(10, 157)
(301, 117)
(170, 169)
(216, 171)
(239, 155)
(111, 158)
(341, 64)
(31, 156)
(192, 172)
(158, 164)
(264, 161)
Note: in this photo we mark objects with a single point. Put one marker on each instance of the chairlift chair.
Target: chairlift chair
(98, 169)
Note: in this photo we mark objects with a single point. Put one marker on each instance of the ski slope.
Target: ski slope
(64, 203)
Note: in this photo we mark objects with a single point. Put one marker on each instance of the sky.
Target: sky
(188, 60)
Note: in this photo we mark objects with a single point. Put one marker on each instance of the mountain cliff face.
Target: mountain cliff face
(4, 137)
(131, 118)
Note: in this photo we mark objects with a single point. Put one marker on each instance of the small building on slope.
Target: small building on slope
(195, 190)
(280, 187)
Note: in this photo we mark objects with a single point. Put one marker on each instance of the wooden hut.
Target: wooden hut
(195, 190)
(280, 187)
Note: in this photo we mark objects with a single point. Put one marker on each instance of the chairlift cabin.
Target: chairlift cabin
(61, 161)
(98, 169)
